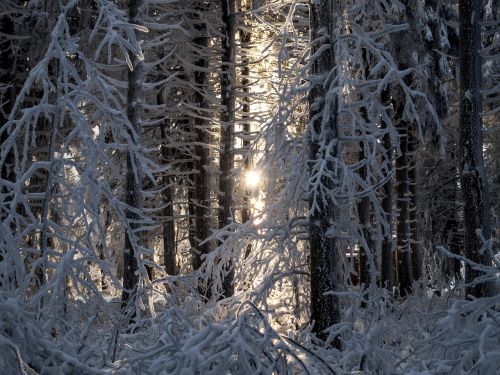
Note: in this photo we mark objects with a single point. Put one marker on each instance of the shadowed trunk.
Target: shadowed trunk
(403, 255)
(168, 228)
(323, 247)
(7, 98)
(415, 243)
(133, 179)
(245, 40)
(201, 193)
(473, 178)
(364, 217)
(227, 117)
(387, 261)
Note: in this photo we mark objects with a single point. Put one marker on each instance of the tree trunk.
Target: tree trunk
(407, 50)
(387, 261)
(325, 309)
(364, 208)
(227, 118)
(202, 127)
(473, 178)
(403, 255)
(168, 227)
(364, 217)
(169, 246)
(133, 179)
(415, 244)
(245, 39)
(6, 99)
(102, 248)
(452, 238)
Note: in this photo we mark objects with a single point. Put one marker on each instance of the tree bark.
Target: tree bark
(407, 51)
(403, 254)
(387, 261)
(474, 183)
(245, 39)
(133, 179)
(169, 246)
(227, 119)
(364, 207)
(201, 192)
(325, 309)
(364, 217)
(415, 243)
(7, 97)
(168, 227)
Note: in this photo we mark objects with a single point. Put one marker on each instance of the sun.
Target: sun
(252, 179)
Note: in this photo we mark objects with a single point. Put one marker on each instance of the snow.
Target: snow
(77, 138)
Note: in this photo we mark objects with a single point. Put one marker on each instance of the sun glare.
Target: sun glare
(252, 179)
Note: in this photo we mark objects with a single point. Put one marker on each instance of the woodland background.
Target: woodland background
(249, 187)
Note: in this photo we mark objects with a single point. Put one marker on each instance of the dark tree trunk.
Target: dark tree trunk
(435, 49)
(133, 181)
(169, 244)
(7, 96)
(403, 255)
(364, 217)
(245, 39)
(101, 247)
(415, 243)
(201, 192)
(407, 51)
(364, 208)
(473, 178)
(452, 238)
(325, 310)
(227, 118)
(387, 261)
(168, 228)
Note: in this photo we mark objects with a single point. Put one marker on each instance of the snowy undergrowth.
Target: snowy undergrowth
(28, 347)
(423, 334)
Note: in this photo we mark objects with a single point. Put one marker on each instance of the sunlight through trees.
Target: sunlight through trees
(249, 187)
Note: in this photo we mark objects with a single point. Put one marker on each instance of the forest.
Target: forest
(249, 187)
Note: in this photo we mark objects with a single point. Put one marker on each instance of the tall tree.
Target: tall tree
(323, 131)
(387, 256)
(245, 39)
(202, 186)
(407, 53)
(415, 244)
(133, 177)
(442, 202)
(473, 179)
(227, 123)
(245, 36)
(6, 94)
(364, 217)
(169, 243)
(403, 255)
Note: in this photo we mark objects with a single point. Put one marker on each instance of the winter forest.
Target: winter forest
(249, 187)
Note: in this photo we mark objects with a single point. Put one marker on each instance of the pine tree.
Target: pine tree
(324, 266)
(201, 200)
(227, 125)
(473, 179)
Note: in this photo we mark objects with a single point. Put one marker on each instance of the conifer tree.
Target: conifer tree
(473, 179)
